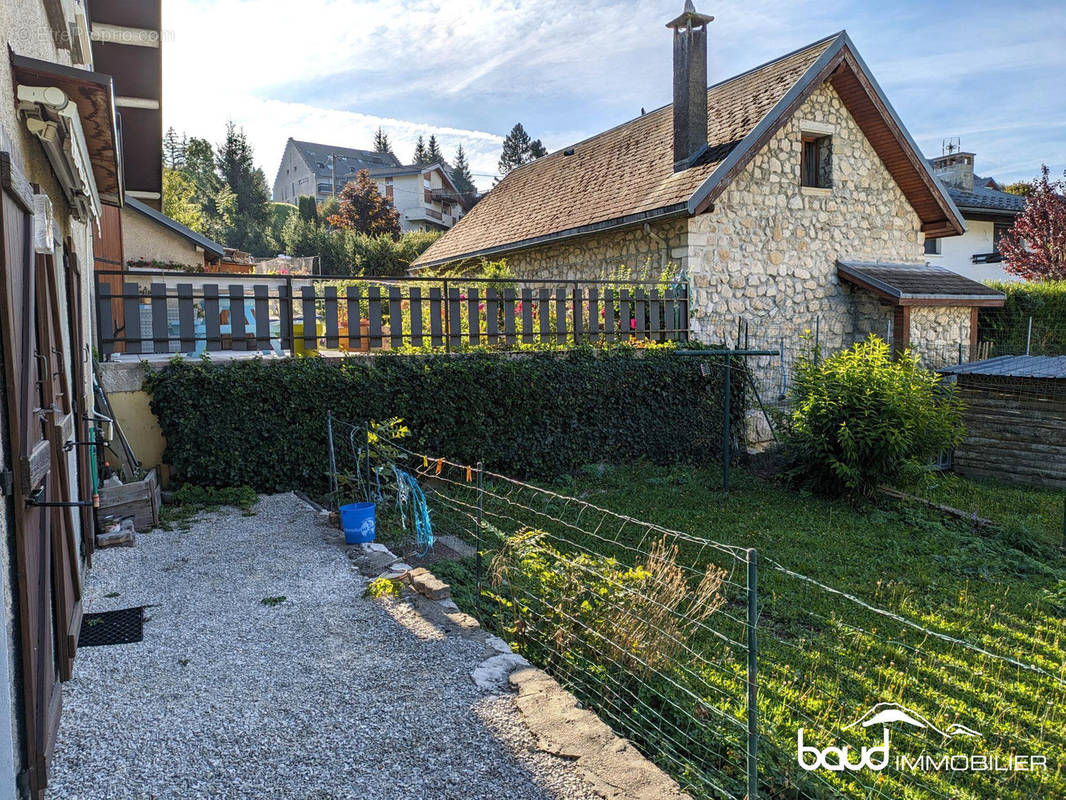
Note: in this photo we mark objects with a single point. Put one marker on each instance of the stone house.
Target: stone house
(988, 211)
(423, 194)
(776, 192)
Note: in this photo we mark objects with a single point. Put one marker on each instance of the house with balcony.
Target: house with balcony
(423, 193)
(989, 213)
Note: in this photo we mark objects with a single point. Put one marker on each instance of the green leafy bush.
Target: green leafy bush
(1008, 327)
(862, 420)
(263, 423)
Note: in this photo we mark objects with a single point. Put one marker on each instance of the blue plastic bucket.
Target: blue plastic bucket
(358, 522)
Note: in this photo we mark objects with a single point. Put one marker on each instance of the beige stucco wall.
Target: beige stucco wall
(144, 238)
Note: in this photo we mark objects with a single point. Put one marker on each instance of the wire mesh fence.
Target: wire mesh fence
(712, 666)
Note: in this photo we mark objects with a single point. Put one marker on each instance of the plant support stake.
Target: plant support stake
(477, 535)
(726, 414)
(753, 676)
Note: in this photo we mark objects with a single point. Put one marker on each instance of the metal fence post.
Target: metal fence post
(1029, 337)
(753, 676)
(477, 538)
(784, 378)
(726, 421)
(332, 461)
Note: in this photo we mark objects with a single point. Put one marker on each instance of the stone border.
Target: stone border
(612, 767)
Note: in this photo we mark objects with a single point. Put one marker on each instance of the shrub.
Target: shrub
(263, 423)
(862, 420)
(1008, 327)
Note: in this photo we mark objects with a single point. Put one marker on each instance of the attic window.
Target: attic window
(816, 162)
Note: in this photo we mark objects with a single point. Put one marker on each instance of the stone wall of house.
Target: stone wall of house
(768, 250)
(632, 253)
(937, 331)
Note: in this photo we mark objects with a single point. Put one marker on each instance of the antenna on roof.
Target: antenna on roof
(951, 144)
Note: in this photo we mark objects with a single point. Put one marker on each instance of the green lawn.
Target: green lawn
(825, 659)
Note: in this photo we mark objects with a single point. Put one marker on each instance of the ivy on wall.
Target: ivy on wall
(263, 423)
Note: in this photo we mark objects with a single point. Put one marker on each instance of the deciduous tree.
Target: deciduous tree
(363, 209)
(1035, 247)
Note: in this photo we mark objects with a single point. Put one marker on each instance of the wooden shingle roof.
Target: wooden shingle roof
(625, 175)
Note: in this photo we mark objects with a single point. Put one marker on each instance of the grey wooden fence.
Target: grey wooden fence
(168, 313)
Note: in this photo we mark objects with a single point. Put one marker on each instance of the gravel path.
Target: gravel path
(325, 695)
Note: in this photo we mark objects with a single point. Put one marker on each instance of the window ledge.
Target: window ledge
(816, 191)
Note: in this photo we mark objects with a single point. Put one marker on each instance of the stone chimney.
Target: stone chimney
(690, 84)
(955, 170)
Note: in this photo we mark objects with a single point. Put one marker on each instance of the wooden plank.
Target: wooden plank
(544, 313)
(670, 315)
(625, 314)
(310, 318)
(527, 316)
(509, 330)
(576, 314)
(106, 322)
(374, 314)
(395, 318)
(417, 338)
(640, 307)
(285, 311)
(355, 319)
(186, 318)
(473, 316)
(160, 330)
(131, 309)
(608, 315)
(262, 317)
(212, 320)
(237, 319)
(436, 327)
(492, 315)
(454, 320)
(560, 315)
(655, 325)
(594, 314)
(333, 340)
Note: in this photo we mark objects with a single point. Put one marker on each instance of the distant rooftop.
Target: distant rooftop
(985, 199)
(320, 158)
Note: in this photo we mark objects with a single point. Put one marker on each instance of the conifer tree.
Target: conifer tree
(461, 175)
(381, 142)
(421, 153)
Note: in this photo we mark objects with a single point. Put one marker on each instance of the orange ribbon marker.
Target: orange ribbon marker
(469, 474)
(440, 465)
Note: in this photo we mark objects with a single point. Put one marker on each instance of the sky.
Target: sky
(332, 71)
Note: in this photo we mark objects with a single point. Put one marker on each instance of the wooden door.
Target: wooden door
(33, 407)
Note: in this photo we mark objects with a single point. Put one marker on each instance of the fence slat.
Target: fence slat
(416, 316)
(285, 312)
(625, 314)
(654, 320)
(669, 314)
(131, 310)
(544, 311)
(333, 334)
(160, 331)
(640, 307)
(608, 315)
(682, 314)
(186, 318)
(560, 315)
(106, 320)
(527, 316)
(508, 316)
(395, 318)
(492, 315)
(310, 318)
(262, 317)
(212, 318)
(594, 313)
(374, 315)
(473, 316)
(435, 328)
(577, 315)
(454, 320)
(236, 316)
(355, 319)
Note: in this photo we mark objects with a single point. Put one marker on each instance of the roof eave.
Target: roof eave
(628, 221)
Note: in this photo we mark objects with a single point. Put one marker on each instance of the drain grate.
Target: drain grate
(124, 626)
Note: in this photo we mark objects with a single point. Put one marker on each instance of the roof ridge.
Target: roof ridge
(720, 83)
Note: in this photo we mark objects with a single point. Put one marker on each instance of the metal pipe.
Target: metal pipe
(726, 426)
(753, 676)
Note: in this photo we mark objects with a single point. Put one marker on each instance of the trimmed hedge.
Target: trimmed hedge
(263, 423)
(1008, 327)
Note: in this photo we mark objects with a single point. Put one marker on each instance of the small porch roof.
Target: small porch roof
(918, 284)
(1049, 367)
